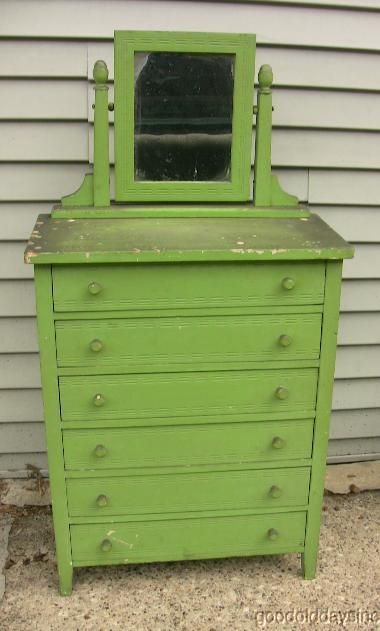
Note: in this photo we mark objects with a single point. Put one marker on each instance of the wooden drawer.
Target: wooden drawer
(157, 343)
(184, 285)
(161, 396)
(187, 445)
(184, 492)
(194, 538)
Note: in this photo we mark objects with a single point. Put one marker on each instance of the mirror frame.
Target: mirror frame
(127, 43)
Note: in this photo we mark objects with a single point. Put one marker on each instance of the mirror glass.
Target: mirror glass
(183, 116)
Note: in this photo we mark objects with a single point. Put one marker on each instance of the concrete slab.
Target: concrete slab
(25, 492)
(218, 595)
(353, 477)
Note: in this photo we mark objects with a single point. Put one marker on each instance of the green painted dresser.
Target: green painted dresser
(187, 360)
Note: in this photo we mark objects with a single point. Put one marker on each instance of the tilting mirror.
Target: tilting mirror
(183, 116)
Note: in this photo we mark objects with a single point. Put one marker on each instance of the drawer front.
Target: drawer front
(172, 285)
(181, 492)
(180, 539)
(154, 396)
(148, 343)
(187, 445)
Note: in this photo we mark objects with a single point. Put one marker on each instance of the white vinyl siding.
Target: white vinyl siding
(326, 149)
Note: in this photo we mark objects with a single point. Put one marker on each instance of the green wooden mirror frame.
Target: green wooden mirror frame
(242, 47)
(195, 198)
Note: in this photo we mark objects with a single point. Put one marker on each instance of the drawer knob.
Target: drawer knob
(106, 545)
(96, 345)
(275, 491)
(273, 534)
(288, 283)
(282, 393)
(99, 400)
(94, 288)
(278, 442)
(101, 501)
(100, 451)
(285, 340)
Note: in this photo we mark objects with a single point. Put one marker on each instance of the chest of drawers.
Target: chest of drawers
(187, 386)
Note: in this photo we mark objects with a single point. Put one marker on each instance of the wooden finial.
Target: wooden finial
(100, 72)
(265, 78)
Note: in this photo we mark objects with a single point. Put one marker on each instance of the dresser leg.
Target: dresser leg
(309, 563)
(65, 580)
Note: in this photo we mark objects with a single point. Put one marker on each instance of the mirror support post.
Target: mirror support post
(267, 190)
(101, 141)
(263, 139)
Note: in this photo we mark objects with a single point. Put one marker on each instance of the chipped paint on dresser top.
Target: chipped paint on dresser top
(150, 239)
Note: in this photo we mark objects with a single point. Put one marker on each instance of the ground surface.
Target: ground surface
(232, 594)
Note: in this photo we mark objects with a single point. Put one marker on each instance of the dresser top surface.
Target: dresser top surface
(183, 239)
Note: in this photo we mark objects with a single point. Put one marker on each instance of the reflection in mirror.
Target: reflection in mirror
(183, 116)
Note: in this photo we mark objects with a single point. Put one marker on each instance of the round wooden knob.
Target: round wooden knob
(285, 340)
(278, 442)
(96, 345)
(273, 534)
(101, 501)
(100, 451)
(94, 288)
(106, 545)
(99, 400)
(282, 393)
(288, 283)
(275, 491)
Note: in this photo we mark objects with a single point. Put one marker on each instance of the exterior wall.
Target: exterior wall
(326, 61)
